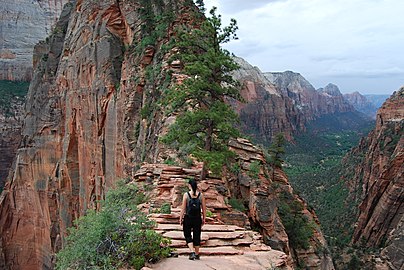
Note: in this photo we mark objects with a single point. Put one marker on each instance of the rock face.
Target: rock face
(362, 104)
(379, 181)
(22, 24)
(282, 102)
(262, 195)
(84, 128)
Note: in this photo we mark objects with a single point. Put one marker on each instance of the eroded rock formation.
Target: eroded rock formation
(22, 24)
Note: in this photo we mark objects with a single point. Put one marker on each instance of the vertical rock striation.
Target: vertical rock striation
(91, 115)
(379, 182)
(22, 24)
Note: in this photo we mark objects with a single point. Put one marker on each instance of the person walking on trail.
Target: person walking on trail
(191, 218)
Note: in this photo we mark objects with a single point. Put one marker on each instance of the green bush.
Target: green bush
(117, 236)
(237, 204)
(165, 208)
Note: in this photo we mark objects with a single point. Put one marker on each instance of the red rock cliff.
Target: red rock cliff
(84, 128)
(379, 182)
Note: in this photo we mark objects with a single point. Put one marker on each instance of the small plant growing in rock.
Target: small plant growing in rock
(165, 208)
(209, 214)
(237, 204)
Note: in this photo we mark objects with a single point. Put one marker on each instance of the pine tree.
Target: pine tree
(205, 122)
(276, 150)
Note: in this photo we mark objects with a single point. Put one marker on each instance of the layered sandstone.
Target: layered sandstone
(379, 182)
(22, 24)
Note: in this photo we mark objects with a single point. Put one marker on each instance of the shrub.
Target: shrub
(117, 236)
(237, 204)
(297, 225)
(165, 208)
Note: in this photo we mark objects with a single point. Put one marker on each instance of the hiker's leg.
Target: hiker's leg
(197, 235)
(186, 227)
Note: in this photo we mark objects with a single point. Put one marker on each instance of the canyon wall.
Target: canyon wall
(22, 24)
(377, 181)
(87, 91)
(282, 102)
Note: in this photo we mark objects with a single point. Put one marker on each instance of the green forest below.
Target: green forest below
(313, 166)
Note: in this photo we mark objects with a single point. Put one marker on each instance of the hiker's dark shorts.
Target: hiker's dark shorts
(193, 224)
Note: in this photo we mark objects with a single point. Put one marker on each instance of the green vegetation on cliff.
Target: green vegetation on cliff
(10, 91)
(115, 237)
(204, 122)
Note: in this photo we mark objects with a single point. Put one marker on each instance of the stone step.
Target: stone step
(205, 228)
(235, 242)
(213, 251)
(178, 235)
(246, 241)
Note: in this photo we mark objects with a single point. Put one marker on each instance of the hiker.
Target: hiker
(190, 218)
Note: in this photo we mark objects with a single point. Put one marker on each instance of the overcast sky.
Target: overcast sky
(355, 44)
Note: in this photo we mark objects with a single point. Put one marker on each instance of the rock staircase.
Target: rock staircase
(216, 239)
(220, 236)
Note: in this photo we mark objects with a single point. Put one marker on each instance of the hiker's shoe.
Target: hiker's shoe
(197, 257)
(192, 256)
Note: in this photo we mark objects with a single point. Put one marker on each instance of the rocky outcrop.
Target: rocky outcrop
(248, 181)
(263, 194)
(282, 102)
(22, 24)
(361, 104)
(333, 101)
(378, 180)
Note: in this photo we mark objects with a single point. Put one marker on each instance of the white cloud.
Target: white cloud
(322, 38)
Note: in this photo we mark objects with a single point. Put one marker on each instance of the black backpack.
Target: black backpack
(194, 206)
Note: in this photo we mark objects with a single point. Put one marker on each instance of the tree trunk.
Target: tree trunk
(208, 147)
